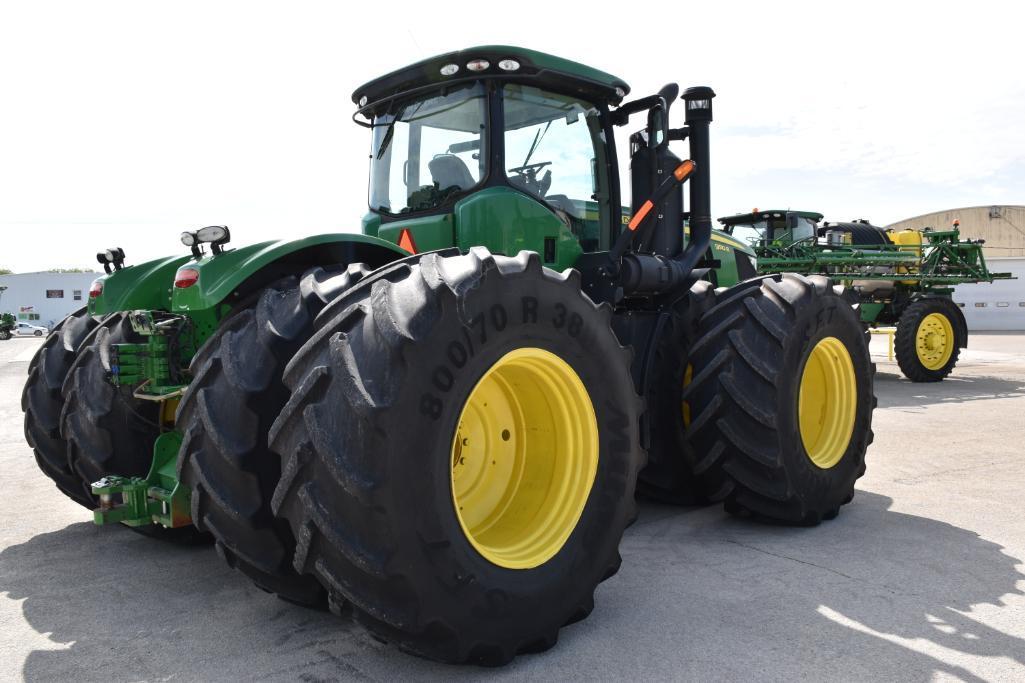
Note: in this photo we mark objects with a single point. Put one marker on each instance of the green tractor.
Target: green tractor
(441, 423)
(900, 278)
(7, 321)
(7, 325)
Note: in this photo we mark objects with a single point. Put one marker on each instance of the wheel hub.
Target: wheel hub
(827, 402)
(934, 341)
(524, 458)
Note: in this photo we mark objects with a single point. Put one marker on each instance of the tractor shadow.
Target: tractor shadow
(119, 606)
(700, 596)
(895, 391)
(874, 594)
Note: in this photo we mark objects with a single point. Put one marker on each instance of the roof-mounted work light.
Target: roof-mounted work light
(114, 257)
(214, 235)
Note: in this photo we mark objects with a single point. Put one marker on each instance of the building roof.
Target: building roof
(1002, 226)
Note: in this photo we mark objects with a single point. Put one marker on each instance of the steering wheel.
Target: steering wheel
(528, 180)
(530, 169)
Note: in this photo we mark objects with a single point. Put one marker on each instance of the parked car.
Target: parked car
(26, 330)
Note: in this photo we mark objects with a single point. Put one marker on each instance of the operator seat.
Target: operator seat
(448, 170)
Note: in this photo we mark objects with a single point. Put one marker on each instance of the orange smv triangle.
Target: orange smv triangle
(406, 241)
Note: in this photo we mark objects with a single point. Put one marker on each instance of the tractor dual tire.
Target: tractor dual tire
(781, 399)
(667, 476)
(224, 416)
(41, 401)
(388, 438)
(929, 338)
(107, 430)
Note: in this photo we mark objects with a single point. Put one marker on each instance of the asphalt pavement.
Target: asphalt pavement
(920, 578)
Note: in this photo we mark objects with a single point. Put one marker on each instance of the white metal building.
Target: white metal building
(44, 298)
(996, 306)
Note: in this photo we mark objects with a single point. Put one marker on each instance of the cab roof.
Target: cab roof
(536, 68)
(760, 215)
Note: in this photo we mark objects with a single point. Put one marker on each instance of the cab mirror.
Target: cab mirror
(658, 126)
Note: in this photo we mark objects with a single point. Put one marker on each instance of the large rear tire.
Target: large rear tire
(42, 403)
(413, 408)
(235, 395)
(667, 476)
(929, 338)
(107, 430)
(781, 399)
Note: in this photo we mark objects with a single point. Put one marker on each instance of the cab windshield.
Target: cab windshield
(553, 147)
(749, 233)
(428, 151)
(754, 233)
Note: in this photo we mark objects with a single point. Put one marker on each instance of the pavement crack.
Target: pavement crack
(910, 481)
(793, 559)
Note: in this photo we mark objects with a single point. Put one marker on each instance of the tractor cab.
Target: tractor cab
(774, 227)
(513, 149)
(469, 144)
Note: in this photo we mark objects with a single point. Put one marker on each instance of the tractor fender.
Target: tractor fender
(143, 286)
(232, 275)
(959, 318)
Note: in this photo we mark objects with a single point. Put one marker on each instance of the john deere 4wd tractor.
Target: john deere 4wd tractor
(441, 422)
(903, 278)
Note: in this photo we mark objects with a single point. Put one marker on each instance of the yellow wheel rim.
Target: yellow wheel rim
(688, 377)
(827, 402)
(524, 458)
(934, 341)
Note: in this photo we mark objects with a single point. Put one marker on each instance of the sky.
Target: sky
(125, 123)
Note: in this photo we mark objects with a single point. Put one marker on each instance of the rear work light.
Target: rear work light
(95, 289)
(186, 277)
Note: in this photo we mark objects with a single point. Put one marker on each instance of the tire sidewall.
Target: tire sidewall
(515, 312)
(907, 328)
(829, 316)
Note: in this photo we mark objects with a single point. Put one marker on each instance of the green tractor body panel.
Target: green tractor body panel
(736, 260)
(428, 233)
(507, 222)
(222, 275)
(143, 286)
